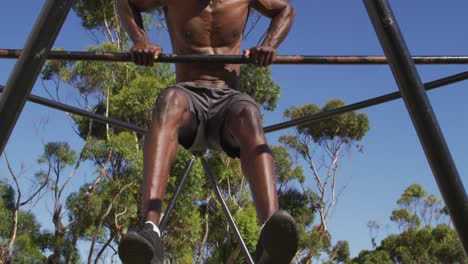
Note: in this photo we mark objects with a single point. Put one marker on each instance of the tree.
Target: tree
(104, 209)
(27, 243)
(14, 205)
(416, 243)
(321, 145)
(57, 157)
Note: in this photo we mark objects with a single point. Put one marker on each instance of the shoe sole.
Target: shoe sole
(280, 239)
(134, 249)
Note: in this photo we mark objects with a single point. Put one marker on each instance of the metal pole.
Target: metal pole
(363, 104)
(30, 62)
(167, 213)
(422, 115)
(235, 59)
(288, 124)
(77, 111)
(232, 223)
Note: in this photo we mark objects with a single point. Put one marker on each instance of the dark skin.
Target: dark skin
(206, 27)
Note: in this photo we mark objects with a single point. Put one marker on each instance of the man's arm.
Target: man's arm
(282, 16)
(143, 52)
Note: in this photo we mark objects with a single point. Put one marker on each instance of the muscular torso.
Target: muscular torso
(207, 27)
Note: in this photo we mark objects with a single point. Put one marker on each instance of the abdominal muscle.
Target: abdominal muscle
(208, 31)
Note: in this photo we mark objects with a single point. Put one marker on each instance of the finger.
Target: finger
(252, 56)
(134, 57)
(262, 58)
(148, 57)
(273, 56)
(157, 52)
(256, 57)
(140, 57)
(144, 57)
(270, 58)
(151, 58)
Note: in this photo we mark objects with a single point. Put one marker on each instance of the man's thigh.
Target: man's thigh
(231, 128)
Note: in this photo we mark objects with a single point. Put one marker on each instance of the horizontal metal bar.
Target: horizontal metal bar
(235, 59)
(363, 104)
(300, 121)
(77, 111)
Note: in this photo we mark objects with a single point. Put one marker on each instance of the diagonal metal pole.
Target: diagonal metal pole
(77, 111)
(232, 223)
(362, 104)
(167, 213)
(29, 64)
(422, 115)
(268, 129)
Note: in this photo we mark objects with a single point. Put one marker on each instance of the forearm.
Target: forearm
(132, 21)
(279, 27)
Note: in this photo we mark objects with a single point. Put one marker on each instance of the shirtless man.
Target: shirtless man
(206, 110)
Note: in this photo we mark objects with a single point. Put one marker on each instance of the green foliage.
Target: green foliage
(427, 245)
(135, 101)
(28, 244)
(258, 83)
(324, 138)
(128, 92)
(299, 205)
(58, 155)
(248, 225)
(411, 195)
(185, 222)
(340, 252)
(286, 171)
(95, 13)
(373, 257)
(417, 243)
(404, 219)
(348, 126)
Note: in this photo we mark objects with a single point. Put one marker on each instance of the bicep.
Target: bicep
(147, 5)
(270, 8)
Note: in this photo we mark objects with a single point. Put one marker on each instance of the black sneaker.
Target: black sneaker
(278, 240)
(141, 247)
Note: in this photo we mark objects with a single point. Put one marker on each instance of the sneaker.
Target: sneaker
(278, 240)
(141, 247)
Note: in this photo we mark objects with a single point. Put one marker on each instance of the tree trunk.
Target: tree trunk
(234, 255)
(103, 248)
(13, 232)
(58, 239)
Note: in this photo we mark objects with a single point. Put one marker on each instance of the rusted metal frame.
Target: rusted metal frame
(170, 206)
(268, 129)
(227, 213)
(77, 111)
(235, 59)
(363, 104)
(29, 64)
(422, 114)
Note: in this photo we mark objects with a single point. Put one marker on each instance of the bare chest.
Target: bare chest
(207, 23)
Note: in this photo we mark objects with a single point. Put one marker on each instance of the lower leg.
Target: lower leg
(158, 155)
(160, 149)
(244, 124)
(258, 166)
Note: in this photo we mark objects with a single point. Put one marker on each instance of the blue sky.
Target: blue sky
(392, 158)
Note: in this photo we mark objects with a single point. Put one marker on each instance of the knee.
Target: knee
(246, 117)
(172, 103)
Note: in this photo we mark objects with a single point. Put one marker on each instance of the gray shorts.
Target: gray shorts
(210, 106)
